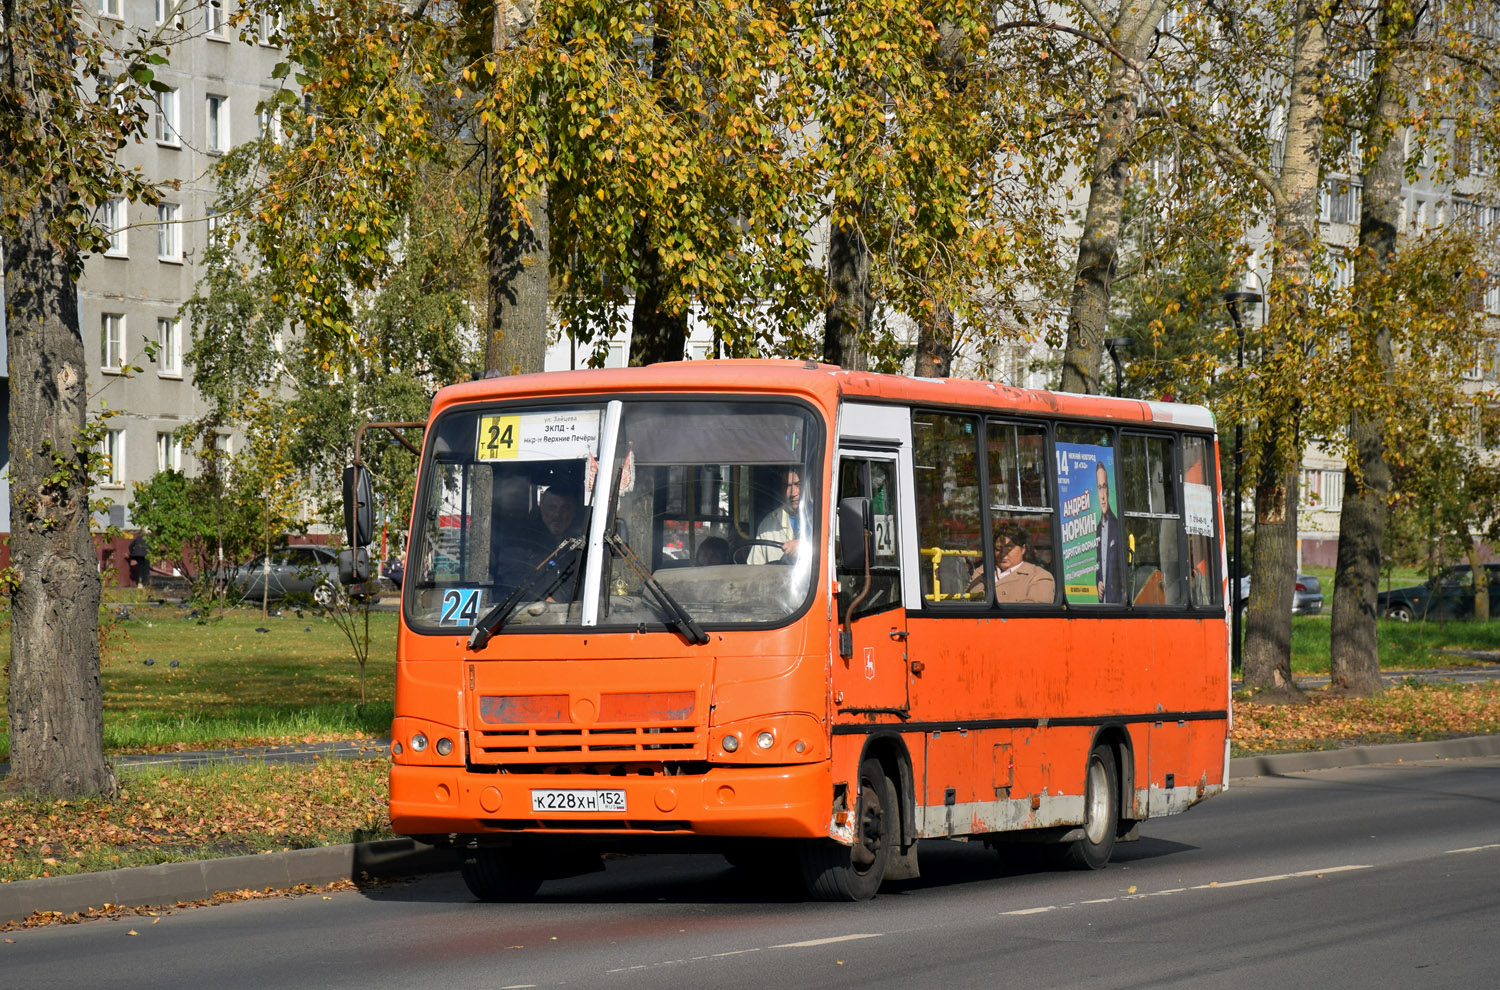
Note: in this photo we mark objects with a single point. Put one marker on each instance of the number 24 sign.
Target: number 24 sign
(499, 437)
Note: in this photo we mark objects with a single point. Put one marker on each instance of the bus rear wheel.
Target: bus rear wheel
(498, 875)
(1101, 806)
(835, 872)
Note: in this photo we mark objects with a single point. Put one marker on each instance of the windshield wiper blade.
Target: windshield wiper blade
(493, 620)
(676, 614)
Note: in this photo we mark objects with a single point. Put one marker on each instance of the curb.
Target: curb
(168, 883)
(1284, 763)
(392, 858)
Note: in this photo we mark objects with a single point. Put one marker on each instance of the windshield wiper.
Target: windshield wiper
(676, 614)
(492, 621)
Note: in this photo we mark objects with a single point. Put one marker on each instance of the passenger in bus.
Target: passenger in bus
(712, 551)
(1019, 576)
(781, 524)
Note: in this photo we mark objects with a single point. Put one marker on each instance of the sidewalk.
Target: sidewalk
(171, 882)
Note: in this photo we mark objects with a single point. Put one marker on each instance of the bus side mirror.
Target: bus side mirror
(359, 509)
(354, 566)
(855, 525)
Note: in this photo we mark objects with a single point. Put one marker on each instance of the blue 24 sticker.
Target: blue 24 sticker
(460, 605)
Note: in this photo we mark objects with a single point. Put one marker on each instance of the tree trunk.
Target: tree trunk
(850, 306)
(1481, 581)
(1099, 245)
(935, 343)
(1354, 656)
(1268, 623)
(56, 701)
(519, 250)
(655, 333)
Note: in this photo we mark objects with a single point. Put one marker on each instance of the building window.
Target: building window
(168, 452)
(168, 10)
(114, 221)
(269, 121)
(218, 124)
(112, 449)
(169, 348)
(111, 8)
(1340, 201)
(213, 19)
(112, 341)
(169, 232)
(168, 127)
(1333, 490)
(270, 28)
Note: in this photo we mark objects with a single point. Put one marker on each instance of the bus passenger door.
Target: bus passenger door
(873, 679)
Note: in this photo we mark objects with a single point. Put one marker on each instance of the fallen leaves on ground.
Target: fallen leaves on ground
(41, 919)
(1404, 713)
(174, 815)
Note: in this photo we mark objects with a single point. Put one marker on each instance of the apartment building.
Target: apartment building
(130, 295)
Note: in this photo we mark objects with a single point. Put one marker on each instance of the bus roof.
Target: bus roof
(826, 382)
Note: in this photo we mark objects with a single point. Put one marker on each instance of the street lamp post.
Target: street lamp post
(1114, 345)
(1232, 300)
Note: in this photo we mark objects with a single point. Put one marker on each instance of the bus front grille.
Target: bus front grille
(594, 743)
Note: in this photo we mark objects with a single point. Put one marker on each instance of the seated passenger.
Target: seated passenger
(780, 525)
(712, 551)
(1018, 575)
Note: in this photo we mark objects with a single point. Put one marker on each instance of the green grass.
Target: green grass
(232, 685)
(1403, 645)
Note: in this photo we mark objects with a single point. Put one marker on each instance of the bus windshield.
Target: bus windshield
(702, 513)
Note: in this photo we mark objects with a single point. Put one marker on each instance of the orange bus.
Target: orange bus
(794, 612)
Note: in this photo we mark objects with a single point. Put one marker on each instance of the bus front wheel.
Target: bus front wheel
(1101, 805)
(499, 875)
(834, 872)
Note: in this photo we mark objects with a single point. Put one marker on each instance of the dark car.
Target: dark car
(1450, 595)
(305, 571)
(1307, 595)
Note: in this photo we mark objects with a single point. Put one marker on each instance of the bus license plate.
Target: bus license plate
(578, 800)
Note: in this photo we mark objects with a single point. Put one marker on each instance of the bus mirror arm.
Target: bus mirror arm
(854, 555)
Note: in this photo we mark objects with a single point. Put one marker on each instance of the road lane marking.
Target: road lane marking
(1475, 849)
(1216, 885)
(736, 952)
(824, 941)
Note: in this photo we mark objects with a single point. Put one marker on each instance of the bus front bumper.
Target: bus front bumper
(759, 802)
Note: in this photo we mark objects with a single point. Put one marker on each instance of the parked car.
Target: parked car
(1307, 595)
(1450, 595)
(308, 571)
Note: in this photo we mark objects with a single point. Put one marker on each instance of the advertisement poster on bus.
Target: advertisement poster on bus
(1090, 523)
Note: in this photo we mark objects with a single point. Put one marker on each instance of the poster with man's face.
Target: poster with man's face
(1085, 488)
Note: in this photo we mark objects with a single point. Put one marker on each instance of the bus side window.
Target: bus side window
(1198, 513)
(1020, 516)
(1155, 570)
(876, 480)
(946, 449)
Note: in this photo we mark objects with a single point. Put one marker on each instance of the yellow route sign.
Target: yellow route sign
(499, 438)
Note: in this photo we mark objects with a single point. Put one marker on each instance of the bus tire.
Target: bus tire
(496, 875)
(834, 872)
(1101, 808)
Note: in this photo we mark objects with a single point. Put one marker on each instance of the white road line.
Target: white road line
(1217, 885)
(736, 952)
(1475, 849)
(824, 941)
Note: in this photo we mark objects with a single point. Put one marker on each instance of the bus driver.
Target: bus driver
(780, 525)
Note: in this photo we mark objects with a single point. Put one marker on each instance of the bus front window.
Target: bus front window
(713, 509)
(718, 501)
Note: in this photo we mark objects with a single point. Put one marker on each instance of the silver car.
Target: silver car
(1307, 596)
(295, 571)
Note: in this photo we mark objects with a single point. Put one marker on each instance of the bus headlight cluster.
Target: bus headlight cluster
(783, 737)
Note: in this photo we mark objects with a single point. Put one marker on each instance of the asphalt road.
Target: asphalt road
(1374, 876)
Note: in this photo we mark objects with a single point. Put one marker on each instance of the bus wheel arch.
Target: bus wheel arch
(1118, 738)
